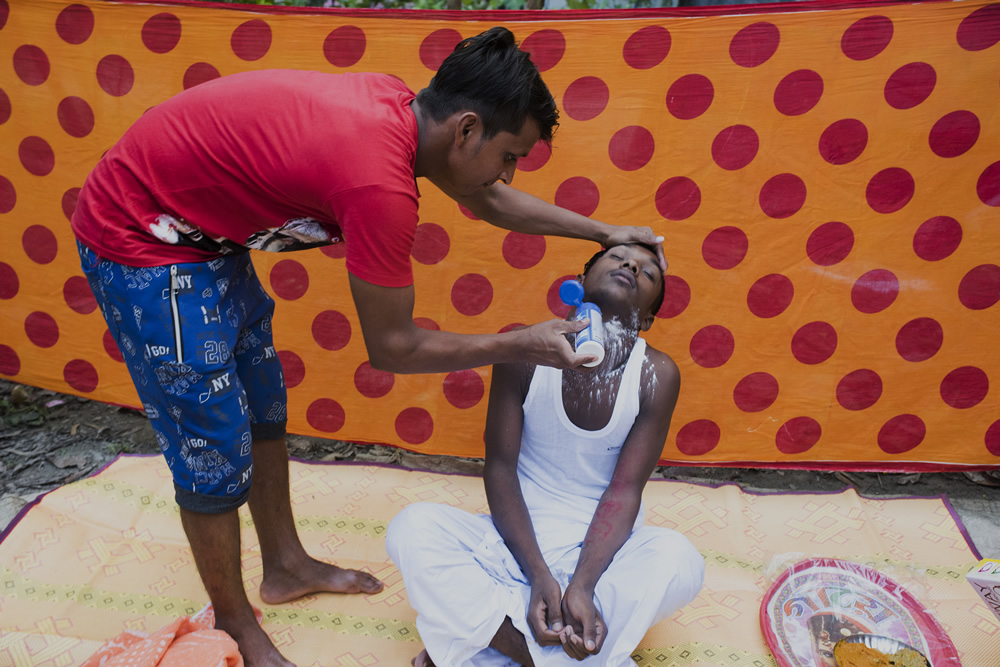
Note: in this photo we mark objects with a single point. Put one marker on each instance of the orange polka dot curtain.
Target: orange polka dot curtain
(827, 177)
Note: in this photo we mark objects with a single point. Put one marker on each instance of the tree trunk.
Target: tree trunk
(454, 4)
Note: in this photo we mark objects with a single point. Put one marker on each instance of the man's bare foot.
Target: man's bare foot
(255, 646)
(422, 660)
(314, 576)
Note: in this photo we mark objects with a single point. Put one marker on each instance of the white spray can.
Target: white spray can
(591, 339)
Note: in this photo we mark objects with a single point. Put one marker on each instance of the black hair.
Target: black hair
(658, 301)
(490, 75)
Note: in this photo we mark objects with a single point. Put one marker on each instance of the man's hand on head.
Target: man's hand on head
(643, 235)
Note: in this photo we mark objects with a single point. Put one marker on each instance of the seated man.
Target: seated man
(564, 569)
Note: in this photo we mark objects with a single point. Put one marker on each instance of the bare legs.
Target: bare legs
(508, 640)
(289, 572)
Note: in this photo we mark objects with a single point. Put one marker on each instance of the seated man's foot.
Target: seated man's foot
(422, 660)
(255, 646)
(314, 576)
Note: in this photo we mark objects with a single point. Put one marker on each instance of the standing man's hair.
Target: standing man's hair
(490, 75)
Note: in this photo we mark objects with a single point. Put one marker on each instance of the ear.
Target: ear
(467, 125)
(647, 322)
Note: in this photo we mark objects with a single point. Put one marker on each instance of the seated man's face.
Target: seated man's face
(627, 279)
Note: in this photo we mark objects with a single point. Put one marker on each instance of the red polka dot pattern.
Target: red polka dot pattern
(825, 186)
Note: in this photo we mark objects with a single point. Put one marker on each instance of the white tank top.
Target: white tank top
(564, 469)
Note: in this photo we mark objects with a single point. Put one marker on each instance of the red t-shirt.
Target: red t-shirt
(274, 160)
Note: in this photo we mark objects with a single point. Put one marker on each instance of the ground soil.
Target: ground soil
(49, 439)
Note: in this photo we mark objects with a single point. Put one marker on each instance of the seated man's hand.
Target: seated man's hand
(544, 612)
(587, 629)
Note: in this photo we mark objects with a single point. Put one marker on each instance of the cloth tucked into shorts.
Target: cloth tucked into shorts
(197, 341)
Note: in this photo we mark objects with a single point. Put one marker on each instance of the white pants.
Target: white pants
(463, 582)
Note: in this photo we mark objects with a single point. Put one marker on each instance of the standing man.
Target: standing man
(284, 160)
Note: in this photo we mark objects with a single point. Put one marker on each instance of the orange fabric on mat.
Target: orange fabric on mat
(108, 552)
(827, 178)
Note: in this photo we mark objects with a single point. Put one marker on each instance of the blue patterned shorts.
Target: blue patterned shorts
(196, 338)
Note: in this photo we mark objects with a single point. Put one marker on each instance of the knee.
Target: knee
(410, 528)
(684, 564)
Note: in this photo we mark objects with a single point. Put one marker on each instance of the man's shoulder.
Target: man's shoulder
(659, 369)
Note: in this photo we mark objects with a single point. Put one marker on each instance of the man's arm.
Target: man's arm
(506, 207)
(619, 505)
(397, 345)
(504, 422)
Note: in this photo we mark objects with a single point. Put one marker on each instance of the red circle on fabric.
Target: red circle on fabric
(161, 32)
(712, 346)
(782, 196)
(426, 323)
(8, 196)
(251, 40)
(798, 92)
(690, 96)
(78, 295)
(980, 287)
(901, 434)
(334, 250)
(39, 244)
(289, 279)
(578, 194)
(631, 148)
(937, 238)
(75, 24)
(9, 283)
(585, 98)
(10, 363)
(754, 44)
(755, 392)
(725, 247)
(843, 141)
(326, 415)
(414, 425)
(80, 375)
(698, 437)
(859, 390)
(511, 327)
(69, 200)
(199, 73)
(954, 134)
(75, 116)
(830, 243)
(31, 65)
(988, 185)
(523, 251)
(676, 297)
(534, 160)
(431, 243)
(292, 368)
(646, 47)
(919, 339)
(463, 389)
(798, 435)
(467, 213)
(677, 198)
(4, 107)
(890, 190)
(866, 38)
(41, 329)
(110, 347)
(875, 291)
(552, 300)
(345, 46)
(371, 382)
(910, 85)
(979, 30)
(814, 343)
(331, 330)
(472, 294)
(965, 387)
(770, 295)
(992, 438)
(36, 156)
(437, 46)
(115, 75)
(546, 48)
(735, 147)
